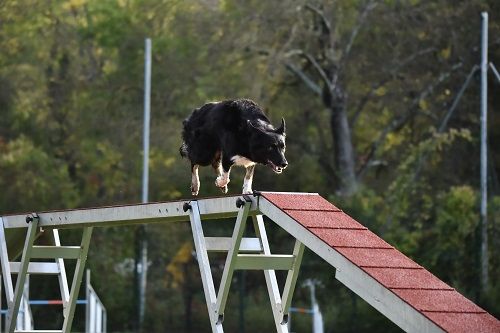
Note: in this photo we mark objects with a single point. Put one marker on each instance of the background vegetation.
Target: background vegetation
(365, 87)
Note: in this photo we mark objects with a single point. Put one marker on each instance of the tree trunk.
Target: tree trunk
(342, 143)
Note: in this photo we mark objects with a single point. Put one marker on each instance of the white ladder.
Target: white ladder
(244, 254)
(55, 252)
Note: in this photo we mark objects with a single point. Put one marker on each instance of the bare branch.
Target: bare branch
(291, 37)
(355, 31)
(321, 72)
(293, 52)
(319, 69)
(448, 115)
(325, 22)
(401, 120)
(303, 76)
(423, 158)
(365, 99)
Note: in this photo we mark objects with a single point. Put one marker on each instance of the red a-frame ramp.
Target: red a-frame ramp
(406, 293)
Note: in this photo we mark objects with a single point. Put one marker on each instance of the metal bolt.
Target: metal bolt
(186, 206)
(240, 202)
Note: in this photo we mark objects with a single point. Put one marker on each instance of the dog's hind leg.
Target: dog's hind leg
(247, 181)
(195, 179)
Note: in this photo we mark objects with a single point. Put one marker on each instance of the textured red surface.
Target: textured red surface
(406, 278)
(437, 300)
(350, 238)
(465, 322)
(300, 201)
(413, 284)
(363, 257)
(321, 219)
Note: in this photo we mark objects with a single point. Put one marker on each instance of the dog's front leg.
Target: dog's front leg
(247, 181)
(195, 179)
(223, 178)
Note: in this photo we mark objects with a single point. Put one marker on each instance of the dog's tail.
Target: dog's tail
(183, 150)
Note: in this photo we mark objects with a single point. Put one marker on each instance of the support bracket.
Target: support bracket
(25, 267)
(254, 257)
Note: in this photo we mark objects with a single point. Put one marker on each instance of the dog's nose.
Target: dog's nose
(284, 164)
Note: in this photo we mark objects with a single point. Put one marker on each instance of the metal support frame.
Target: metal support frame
(21, 277)
(257, 256)
(253, 252)
(69, 311)
(280, 305)
(204, 264)
(23, 268)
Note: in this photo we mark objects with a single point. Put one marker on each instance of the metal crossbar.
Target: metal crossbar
(257, 256)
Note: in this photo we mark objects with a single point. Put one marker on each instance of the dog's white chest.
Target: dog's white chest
(242, 161)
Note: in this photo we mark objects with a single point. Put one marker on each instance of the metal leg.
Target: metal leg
(204, 264)
(270, 275)
(291, 280)
(21, 276)
(77, 280)
(87, 305)
(232, 255)
(6, 273)
(22, 268)
(264, 260)
(63, 281)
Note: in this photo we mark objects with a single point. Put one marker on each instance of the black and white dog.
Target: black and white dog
(232, 132)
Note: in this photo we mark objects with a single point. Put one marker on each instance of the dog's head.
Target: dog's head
(267, 145)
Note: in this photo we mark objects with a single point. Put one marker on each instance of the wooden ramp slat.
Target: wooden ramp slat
(405, 292)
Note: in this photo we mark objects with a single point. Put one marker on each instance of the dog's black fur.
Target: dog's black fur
(231, 132)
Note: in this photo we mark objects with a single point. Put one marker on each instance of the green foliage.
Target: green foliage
(31, 177)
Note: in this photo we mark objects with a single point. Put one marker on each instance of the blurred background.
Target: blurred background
(369, 92)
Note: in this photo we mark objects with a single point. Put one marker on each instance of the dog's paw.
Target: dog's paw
(247, 191)
(221, 182)
(195, 190)
(224, 189)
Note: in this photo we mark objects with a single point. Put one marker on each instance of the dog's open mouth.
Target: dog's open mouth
(275, 168)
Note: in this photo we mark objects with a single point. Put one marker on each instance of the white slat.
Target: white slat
(49, 268)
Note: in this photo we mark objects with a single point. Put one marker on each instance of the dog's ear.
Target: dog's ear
(282, 129)
(255, 127)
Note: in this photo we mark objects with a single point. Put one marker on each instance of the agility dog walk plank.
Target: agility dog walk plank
(402, 290)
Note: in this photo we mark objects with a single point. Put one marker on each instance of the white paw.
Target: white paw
(195, 190)
(247, 191)
(224, 189)
(221, 181)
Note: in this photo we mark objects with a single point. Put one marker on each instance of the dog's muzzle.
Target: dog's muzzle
(277, 168)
